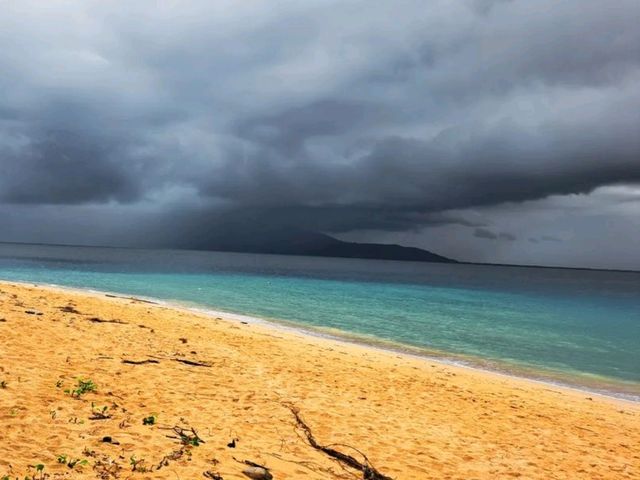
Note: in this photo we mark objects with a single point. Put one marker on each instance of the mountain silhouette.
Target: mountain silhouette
(249, 239)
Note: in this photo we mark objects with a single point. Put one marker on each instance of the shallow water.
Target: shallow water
(573, 326)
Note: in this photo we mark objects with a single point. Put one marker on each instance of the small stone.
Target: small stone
(257, 473)
(33, 312)
(110, 440)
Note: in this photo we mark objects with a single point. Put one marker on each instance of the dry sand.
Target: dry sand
(414, 418)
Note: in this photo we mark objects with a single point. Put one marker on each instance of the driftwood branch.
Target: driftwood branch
(100, 320)
(69, 309)
(176, 455)
(369, 472)
(139, 362)
(192, 363)
(212, 475)
(187, 435)
(250, 463)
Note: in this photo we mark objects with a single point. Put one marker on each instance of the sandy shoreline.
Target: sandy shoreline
(442, 358)
(413, 417)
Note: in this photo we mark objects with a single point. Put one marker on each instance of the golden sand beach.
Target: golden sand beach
(235, 385)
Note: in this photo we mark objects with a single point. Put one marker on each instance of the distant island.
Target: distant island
(288, 242)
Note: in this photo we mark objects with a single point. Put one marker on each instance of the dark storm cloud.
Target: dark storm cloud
(287, 131)
(484, 233)
(405, 178)
(488, 234)
(63, 168)
(545, 238)
(549, 238)
(327, 116)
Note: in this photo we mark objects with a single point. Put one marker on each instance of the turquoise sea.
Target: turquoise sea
(575, 327)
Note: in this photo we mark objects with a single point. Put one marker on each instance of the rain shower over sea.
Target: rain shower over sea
(575, 327)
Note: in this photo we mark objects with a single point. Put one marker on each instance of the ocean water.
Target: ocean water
(576, 327)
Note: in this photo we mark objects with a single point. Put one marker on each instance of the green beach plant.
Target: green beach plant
(99, 413)
(77, 463)
(71, 463)
(136, 465)
(39, 472)
(83, 386)
(188, 437)
(150, 420)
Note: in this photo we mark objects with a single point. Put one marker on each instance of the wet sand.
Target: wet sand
(234, 384)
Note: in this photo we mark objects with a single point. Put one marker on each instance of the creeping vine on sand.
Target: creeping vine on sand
(369, 472)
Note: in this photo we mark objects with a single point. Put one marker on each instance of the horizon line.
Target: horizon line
(454, 262)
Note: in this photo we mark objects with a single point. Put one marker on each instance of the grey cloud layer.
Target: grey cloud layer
(328, 115)
(490, 235)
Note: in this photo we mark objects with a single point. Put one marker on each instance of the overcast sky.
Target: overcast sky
(485, 130)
